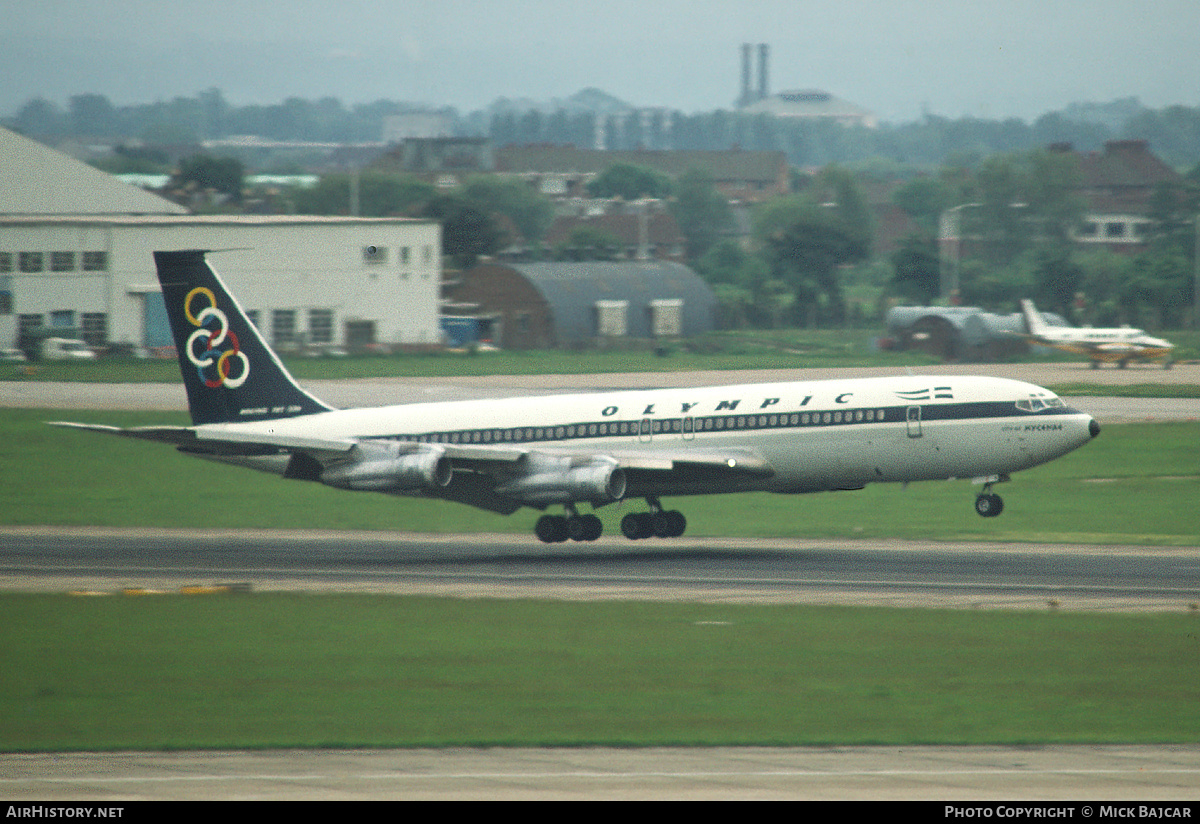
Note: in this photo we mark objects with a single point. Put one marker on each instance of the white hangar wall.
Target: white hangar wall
(340, 281)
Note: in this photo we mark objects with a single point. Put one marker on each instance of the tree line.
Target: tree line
(1173, 132)
(808, 259)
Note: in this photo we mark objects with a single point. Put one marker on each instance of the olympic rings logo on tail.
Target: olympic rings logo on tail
(218, 345)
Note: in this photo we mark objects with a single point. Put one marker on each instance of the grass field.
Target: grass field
(1136, 483)
(782, 349)
(766, 349)
(294, 670)
(285, 670)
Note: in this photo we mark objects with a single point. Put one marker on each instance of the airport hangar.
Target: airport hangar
(305, 281)
(76, 250)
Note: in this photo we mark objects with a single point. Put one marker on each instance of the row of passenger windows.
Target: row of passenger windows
(651, 426)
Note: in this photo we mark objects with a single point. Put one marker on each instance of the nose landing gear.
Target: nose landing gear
(989, 504)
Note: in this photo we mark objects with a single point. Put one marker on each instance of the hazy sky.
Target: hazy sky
(991, 59)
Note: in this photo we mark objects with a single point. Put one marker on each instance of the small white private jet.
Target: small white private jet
(1120, 345)
(600, 448)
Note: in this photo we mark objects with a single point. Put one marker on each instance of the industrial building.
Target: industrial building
(794, 104)
(76, 260)
(546, 305)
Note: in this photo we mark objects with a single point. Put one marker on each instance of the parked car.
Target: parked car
(66, 349)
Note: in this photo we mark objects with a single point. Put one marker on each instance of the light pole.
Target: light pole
(951, 231)
(1196, 277)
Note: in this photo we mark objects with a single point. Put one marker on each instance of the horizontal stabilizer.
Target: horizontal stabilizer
(178, 435)
(219, 440)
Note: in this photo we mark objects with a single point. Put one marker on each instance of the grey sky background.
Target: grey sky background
(1004, 58)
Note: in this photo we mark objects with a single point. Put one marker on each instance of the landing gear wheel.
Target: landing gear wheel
(989, 505)
(669, 524)
(584, 527)
(637, 525)
(552, 529)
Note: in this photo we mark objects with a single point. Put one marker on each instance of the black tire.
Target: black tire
(637, 525)
(585, 527)
(669, 524)
(551, 529)
(989, 506)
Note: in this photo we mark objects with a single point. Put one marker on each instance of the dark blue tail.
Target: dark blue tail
(229, 371)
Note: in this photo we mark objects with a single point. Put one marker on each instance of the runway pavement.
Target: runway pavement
(722, 570)
(384, 391)
(1160, 776)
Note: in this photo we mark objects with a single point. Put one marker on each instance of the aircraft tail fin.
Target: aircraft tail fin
(1033, 318)
(230, 372)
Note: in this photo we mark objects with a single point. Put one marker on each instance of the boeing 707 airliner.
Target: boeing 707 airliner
(595, 449)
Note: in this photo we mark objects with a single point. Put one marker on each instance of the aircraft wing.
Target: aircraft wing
(498, 477)
(731, 461)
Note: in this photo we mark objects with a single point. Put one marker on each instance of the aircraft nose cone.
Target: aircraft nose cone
(1094, 428)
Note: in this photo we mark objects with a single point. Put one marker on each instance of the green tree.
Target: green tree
(40, 117)
(93, 114)
(588, 243)
(205, 172)
(805, 245)
(917, 269)
(1051, 188)
(630, 182)
(701, 212)
(1158, 291)
(529, 211)
(467, 232)
(1103, 273)
(128, 160)
(1057, 279)
(379, 195)
(1000, 216)
(724, 262)
(924, 199)
(848, 202)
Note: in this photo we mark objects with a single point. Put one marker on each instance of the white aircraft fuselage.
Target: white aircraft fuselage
(816, 435)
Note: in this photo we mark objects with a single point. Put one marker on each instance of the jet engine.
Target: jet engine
(560, 482)
(387, 467)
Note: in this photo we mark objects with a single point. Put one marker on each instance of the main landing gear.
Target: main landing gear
(554, 529)
(657, 523)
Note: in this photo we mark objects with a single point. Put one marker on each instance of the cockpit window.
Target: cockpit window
(1038, 404)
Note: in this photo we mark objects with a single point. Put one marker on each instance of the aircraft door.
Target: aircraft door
(689, 427)
(644, 430)
(913, 416)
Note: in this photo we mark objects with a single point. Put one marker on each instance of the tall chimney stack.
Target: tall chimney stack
(747, 58)
(763, 56)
